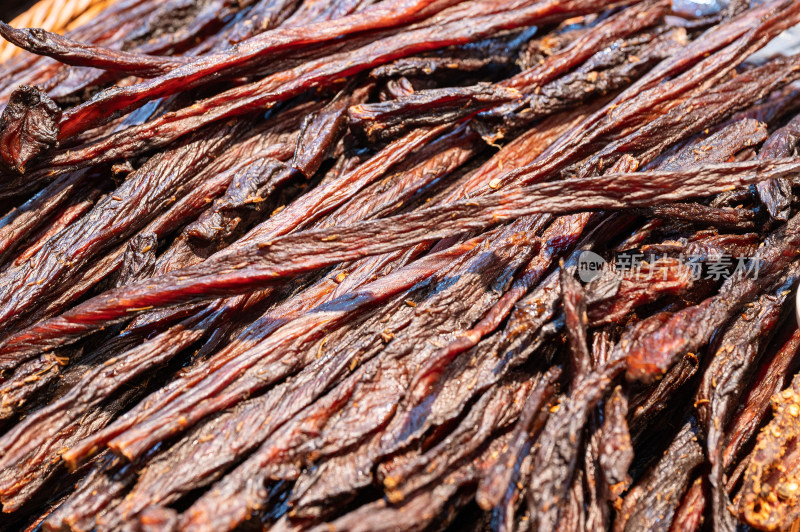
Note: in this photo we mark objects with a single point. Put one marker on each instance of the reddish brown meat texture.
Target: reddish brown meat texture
(28, 127)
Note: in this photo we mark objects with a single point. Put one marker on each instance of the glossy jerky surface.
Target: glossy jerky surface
(400, 265)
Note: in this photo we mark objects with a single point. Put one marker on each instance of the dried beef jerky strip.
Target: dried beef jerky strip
(114, 217)
(384, 120)
(21, 221)
(616, 451)
(400, 280)
(72, 212)
(658, 495)
(242, 268)
(424, 508)
(717, 147)
(619, 25)
(563, 233)
(28, 126)
(706, 245)
(723, 382)
(382, 198)
(649, 404)
(264, 15)
(20, 483)
(493, 486)
(64, 50)
(248, 190)
(777, 194)
(387, 120)
(722, 217)
(27, 380)
(690, 514)
(274, 456)
(322, 130)
(640, 285)
(573, 305)
(423, 317)
(559, 237)
(290, 83)
(382, 15)
(721, 47)
(773, 376)
(176, 28)
(493, 411)
(696, 113)
(497, 52)
(96, 492)
(350, 277)
(690, 328)
(556, 454)
(768, 497)
(507, 252)
(607, 71)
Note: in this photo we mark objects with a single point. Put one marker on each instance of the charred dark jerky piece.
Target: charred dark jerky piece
(492, 53)
(243, 199)
(321, 131)
(659, 493)
(70, 52)
(777, 193)
(265, 263)
(28, 127)
(768, 498)
(556, 455)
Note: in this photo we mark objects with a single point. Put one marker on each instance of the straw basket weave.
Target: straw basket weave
(53, 15)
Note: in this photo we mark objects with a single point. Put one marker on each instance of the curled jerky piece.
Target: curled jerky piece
(28, 127)
(41, 42)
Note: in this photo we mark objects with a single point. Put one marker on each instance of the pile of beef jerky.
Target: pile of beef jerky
(325, 265)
